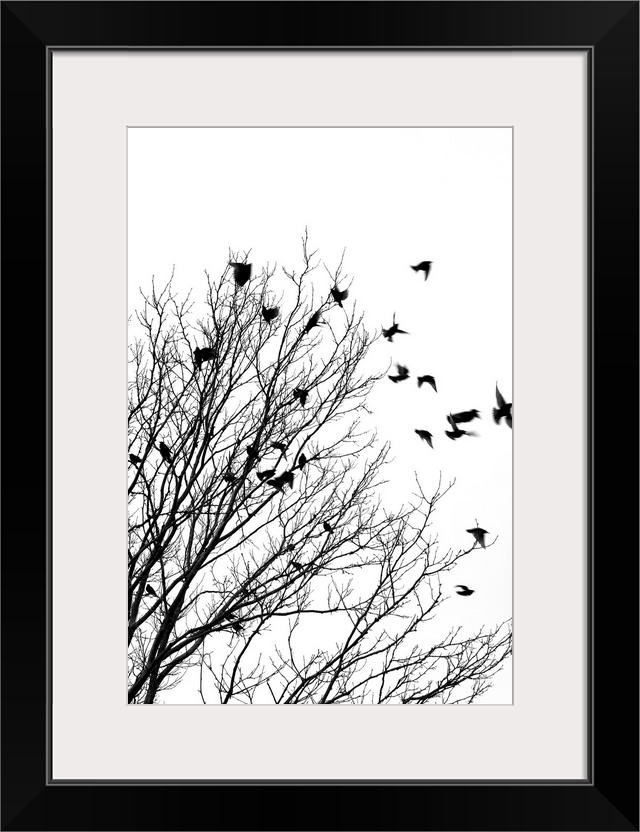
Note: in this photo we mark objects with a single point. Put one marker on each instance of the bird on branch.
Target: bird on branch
(241, 273)
(270, 314)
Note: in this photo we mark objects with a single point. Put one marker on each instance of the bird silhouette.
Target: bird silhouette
(204, 354)
(297, 565)
(165, 452)
(456, 432)
(265, 475)
(302, 461)
(134, 460)
(151, 591)
(394, 329)
(425, 267)
(402, 374)
(301, 394)
(424, 434)
(503, 410)
(281, 480)
(429, 380)
(270, 314)
(339, 295)
(290, 547)
(461, 589)
(479, 534)
(465, 416)
(252, 453)
(236, 627)
(241, 273)
(327, 527)
(279, 446)
(314, 320)
(229, 477)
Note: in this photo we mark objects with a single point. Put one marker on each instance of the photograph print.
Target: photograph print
(320, 416)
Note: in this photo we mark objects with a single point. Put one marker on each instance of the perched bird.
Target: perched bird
(134, 460)
(314, 320)
(394, 329)
(265, 475)
(339, 296)
(270, 314)
(301, 394)
(151, 591)
(236, 627)
(297, 565)
(229, 477)
(402, 374)
(424, 434)
(252, 452)
(290, 547)
(429, 380)
(302, 461)
(204, 354)
(456, 432)
(241, 272)
(279, 446)
(425, 267)
(464, 590)
(502, 410)
(465, 416)
(327, 527)
(478, 534)
(165, 453)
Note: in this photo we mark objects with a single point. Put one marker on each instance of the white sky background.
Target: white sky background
(391, 197)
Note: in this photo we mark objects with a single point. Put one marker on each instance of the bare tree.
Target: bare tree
(261, 558)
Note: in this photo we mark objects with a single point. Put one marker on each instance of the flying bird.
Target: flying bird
(466, 416)
(279, 446)
(425, 267)
(204, 354)
(424, 434)
(394, 329)
(429, 380)
(502, 410)
(302, 461)
(327, 527)
(134, 460)
(301, 394)
(265, 475)
(456, 432)
(281, 480)
(241, 272)
(151, 591)
(270, 314)
(165, 453)
(339, 295)
(314, 320)
(478, 534)
(461, 589)
(402, 374)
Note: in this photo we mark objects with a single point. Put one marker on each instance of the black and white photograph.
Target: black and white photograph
(320, 416)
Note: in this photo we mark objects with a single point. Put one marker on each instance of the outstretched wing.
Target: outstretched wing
(499, 398)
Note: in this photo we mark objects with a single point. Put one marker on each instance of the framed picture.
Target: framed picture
(327, 290)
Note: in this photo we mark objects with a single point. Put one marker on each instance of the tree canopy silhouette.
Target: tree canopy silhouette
(276, 573)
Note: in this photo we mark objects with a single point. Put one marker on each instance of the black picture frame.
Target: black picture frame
(608, 798)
